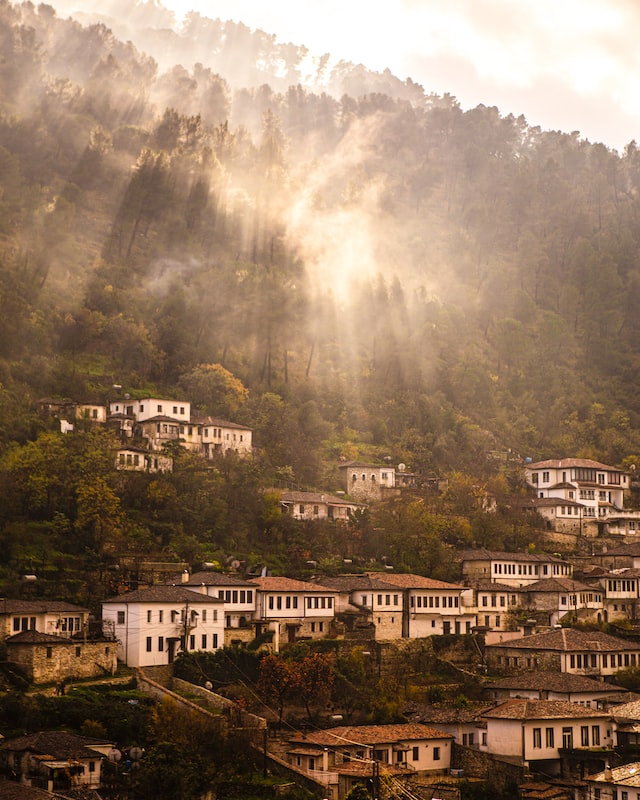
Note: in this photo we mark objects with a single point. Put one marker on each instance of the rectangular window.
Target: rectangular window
(192, 642)
(203, 644)
(595, 736)
(161, 644)
(584, 735)
(549, 737)
(120, 617)
(148, 616)
(567, 738)
(415, 753)
(215, 641)
(537, 737)
(204, 615)
(436, 754)
(148, 644)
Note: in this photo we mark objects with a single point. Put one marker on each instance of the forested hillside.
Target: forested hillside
(378, 272)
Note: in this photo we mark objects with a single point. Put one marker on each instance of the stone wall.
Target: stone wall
(55, 662)
(499, 774)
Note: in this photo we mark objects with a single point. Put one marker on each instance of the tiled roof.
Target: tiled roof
(481, 554)
(287, 496)
(219, 423)
(485, 585)
(370, 734)
(163, 594)
(628, 711)
(408, 581)
(553, 682)
(209, 579)
(38, 607)
(569, 639)
(57, 744)
(281, 584)
(626, 775)
(350, 583)
(11, 790)
(560, 463)
(541, 709)
(35, 637)
(365, 464)
(558, 585)
(435, 715)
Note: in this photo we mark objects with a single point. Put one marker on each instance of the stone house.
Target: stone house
(52, 659)
(316, 505)
(563, 598)
(341, 757)
(615, 783)
(152, 625)
(590, 653)
(621, 593)
(553, 686)
(367, 482)
(137, 459)
(219, 436)
(491, 601)
(55, 760)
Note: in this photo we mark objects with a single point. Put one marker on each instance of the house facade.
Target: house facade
(367, 482)
(152, 625)
(53, 617)
(491, 602)
(341, 757)
(292, 609)
(512, 569)
(539, 733)
(590, 653)
(552, 686)
(316, 505)
(583, 495)
(564, 599)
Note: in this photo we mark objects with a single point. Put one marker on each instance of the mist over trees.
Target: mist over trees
(355, 270)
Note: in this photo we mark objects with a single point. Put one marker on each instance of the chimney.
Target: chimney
(203, 589)
(185, 576)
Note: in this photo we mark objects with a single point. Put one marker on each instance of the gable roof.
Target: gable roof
(410, 581)
(208, 578)
(561, 463)
(554, 682)
(559, 585)
(35, 637)
(273, 583)
(39, 607)
(569, 639)
(351, 583)
(163, 594)
(482, 554)
(367, 735)
(11, 790)
(542, 709)
(56, 744)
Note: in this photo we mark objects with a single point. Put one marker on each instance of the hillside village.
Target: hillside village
(551, 635)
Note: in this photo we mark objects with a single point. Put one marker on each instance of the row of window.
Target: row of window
(567, 737)
(583, 661)
(432, 601)
(494, 600)
(192, 642)
(621, 586)
(624, 795)
(236, 595)
(582, 475)
(66, 624)
(175, 616)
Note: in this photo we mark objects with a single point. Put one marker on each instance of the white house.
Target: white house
(53, 617)
(552, 686)
(152, 625)
(491, 601)
(136, 459)
(535, 731)
(512, 569)
(615, 783)
(293, 609)
(621, 593)
(585, 492)
(219, 436)
(149, 407)
(564, 597)
(341, 757)
(316, 505)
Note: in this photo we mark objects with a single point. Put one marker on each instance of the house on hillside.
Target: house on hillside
(57, 760)
(342, 757)
(53, 617)
(549, 736)
(564, 599)
(152, 625)
(581, 496)
(238, 595)
(53, 659)
(367, 482)
(552, 686)
(219, 436)
(591, 653)
(621, 594)
(316, 505)
(293, 609)
(615, 783)
(137, 459)
(491, 602)
(512, 569)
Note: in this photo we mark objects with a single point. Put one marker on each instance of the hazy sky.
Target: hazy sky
(564, 64)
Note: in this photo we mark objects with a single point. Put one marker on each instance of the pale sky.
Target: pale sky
(565, 64)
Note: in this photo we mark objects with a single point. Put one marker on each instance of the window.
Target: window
(436, 754)
(160, 644)
(549, 737)
(160, 615)
(215, 641)
(92, 766)
(49, 652)
(192, 642)
(595, 736)
(537, 737)
(148, 644)
(120, 617)
(148, 616)
(545, 477)
(567, 738)
(584, 735)
(204, 615)
(203, 645)
(415, 753)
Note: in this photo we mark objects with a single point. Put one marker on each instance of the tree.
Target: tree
(214, 390)
(276, 679)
